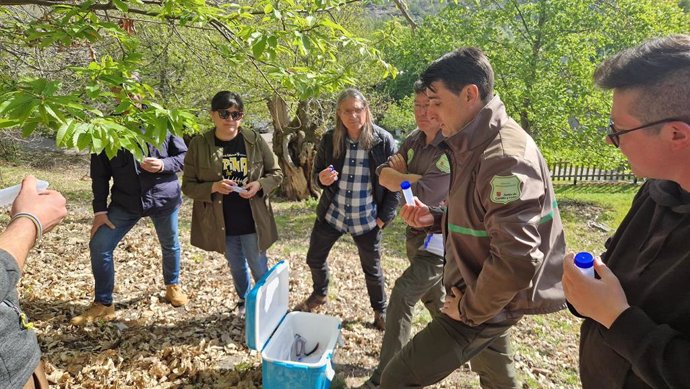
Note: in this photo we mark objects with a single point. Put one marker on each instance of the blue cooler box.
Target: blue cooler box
(276, 333)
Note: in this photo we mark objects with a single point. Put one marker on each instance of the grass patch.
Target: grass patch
(591, 213)
(72, 181)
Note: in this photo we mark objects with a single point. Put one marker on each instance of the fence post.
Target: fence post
(573, 173)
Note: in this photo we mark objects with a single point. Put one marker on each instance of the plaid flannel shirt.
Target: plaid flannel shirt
(353, 209)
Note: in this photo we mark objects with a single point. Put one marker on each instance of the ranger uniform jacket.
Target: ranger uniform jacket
(503, 234)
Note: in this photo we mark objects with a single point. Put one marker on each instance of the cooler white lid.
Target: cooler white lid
(267, 305)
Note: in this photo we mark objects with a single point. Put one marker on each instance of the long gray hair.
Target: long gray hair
(366, 139)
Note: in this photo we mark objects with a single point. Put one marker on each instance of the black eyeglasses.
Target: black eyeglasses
(225, 114)
(614, 134)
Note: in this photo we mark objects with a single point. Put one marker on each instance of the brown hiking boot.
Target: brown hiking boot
(312, 302)
(175, 296)
(379, 320)
(96, 311)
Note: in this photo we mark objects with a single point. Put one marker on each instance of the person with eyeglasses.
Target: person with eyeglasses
(353, 201)
(230, 172)
(636, 332)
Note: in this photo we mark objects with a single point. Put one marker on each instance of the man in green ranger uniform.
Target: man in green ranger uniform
(503, 235)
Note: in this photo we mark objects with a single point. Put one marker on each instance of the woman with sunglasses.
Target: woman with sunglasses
(230, 172)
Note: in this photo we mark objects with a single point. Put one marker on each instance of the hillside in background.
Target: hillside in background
(417, 8)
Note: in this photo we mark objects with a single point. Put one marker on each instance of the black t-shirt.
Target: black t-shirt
(236, 210)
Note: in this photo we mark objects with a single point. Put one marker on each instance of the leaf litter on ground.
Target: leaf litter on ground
(202, 345)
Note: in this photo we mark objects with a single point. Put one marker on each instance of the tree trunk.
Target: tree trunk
(294, 144)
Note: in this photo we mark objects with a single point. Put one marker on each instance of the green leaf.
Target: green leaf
(97, 140)
(83, 141)
(64, 131)
(18, 102)
(258, 47)
(5, 123)
(29, 128)
(78, 130)
(119, 4)
(52, 113)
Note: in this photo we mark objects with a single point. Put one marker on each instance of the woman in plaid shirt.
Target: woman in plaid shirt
(352, 200)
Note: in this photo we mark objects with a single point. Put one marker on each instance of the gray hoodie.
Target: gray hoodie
(19, 351)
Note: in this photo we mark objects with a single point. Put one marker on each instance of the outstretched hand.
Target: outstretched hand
(49, 206)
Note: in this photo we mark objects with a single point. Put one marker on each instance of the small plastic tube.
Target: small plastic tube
(407, 192)
(8, 195)
(585, 262)
(238, 189)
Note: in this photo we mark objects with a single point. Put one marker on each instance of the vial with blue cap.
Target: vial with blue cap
(585, 262)
(407, 192)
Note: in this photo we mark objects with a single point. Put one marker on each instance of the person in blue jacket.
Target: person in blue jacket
(147, 188)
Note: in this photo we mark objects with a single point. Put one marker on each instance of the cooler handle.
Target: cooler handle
(330, 373)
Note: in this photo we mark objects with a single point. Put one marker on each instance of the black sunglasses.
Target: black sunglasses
(614, 134)
(225, 114)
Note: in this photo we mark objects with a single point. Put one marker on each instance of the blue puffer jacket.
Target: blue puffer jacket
(134, 189)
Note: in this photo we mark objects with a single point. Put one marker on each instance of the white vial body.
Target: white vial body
(407, 192)
(588, 271)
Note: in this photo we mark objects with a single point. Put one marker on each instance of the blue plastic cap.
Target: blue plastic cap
(405, 185)
(584, 260)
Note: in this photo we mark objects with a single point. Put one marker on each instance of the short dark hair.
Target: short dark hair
(660, 69)
(418, 87)
(459, 68)
(225, 100)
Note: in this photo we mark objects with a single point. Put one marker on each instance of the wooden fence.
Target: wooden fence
(566, 171)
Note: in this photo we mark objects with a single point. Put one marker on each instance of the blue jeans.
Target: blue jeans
(241, 250)
(106, 239)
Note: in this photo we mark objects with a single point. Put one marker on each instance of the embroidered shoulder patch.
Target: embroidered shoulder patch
(410, 155)
(505, 189)
(442, 164)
